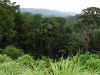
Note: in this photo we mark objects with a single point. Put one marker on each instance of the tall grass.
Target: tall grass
(25, 65)
(70, 66)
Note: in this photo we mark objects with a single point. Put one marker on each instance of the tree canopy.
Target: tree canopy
(49, 36)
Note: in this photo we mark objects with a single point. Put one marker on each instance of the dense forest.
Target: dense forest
(33, 44)
(48, 36)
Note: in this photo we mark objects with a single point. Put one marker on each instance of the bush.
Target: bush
(84, 57)
(4, 58)
(44, 62)
(13, 52)
(93, 64)
(25, 60)
(90, 61)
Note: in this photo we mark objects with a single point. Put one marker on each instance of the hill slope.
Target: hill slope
(47, 12)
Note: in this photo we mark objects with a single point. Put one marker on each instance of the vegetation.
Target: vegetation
(47, 12)
(69, 66)
(12, 52)
(32, 44)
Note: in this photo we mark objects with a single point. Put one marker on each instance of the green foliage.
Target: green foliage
(4, 58)
(1, 50)
(93, 64)
(73, 44)
(68, 66)
(13, 52)
(65, 67)
(84, 57)
(96, 40)
(71, 20)
(90, 61)
(52, 37)
(93, 61)
(10, 68)
(88, 21)
(44, 62)
(25, 60)
(6, 25)
(47, 36)
(8, 11)
(38, 40)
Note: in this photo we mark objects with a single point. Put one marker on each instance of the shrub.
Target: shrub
(47, 61)
(13, 52)
(93, 64)
(90, 61)
(84, 57)
(4, 58)
(87, 56)
(43, 63)
(25, 60)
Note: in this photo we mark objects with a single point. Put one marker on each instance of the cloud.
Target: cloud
(63, 5)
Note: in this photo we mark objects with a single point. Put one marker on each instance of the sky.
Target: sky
(62, 5)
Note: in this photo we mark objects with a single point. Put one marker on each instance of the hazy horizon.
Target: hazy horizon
(61, 5)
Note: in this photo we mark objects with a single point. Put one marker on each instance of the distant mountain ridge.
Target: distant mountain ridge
(48, 12)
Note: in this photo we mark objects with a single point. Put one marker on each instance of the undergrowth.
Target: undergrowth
(84, 64)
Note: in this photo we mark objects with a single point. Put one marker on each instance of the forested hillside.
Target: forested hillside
(47, 12)
(49, 36)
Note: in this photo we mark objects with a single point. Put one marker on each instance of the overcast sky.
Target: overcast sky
(63, 5)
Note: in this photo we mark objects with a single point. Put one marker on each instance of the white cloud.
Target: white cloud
(63, 5)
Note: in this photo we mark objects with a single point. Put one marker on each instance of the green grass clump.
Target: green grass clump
(10, 68)
(65, 67)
